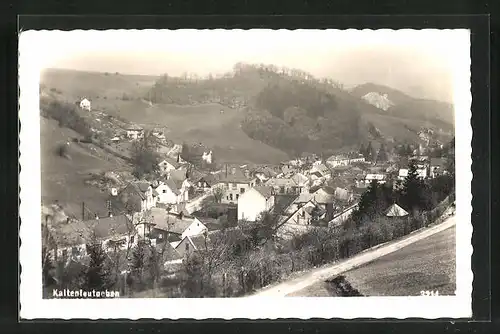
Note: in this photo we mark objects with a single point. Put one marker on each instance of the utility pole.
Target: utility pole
(83, 210)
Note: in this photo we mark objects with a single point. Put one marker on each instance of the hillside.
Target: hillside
(75, 85)
(405, 106)
(293, 111)
(64, 179)
(256, 113)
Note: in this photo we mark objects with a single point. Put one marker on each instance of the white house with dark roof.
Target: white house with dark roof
(254, 201)
(136, 197)
(168, 193)
(135, 132)
(168, 164)
(85, 104)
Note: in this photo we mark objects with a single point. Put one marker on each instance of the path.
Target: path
(325, 272)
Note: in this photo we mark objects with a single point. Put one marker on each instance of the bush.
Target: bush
(62, 150)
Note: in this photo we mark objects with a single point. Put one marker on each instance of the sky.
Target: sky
(418, 62)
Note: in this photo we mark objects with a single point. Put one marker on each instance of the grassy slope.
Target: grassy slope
(202, 123)
(427, 264)
(94, 85)
(63, 179)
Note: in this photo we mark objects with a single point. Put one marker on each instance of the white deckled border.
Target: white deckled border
(33, 306)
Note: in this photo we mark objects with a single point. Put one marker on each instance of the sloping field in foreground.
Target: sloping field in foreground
(428, 264)
(317, 276)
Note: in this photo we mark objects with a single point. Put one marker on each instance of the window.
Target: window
(160, 236)
(230, 197)
(164, 191)
(282, 189)
(234, 186)
(132, 239)
(242, 190)
(237, 196)
(74, 251)
(64, 253)
(187, 246)
(303, 214)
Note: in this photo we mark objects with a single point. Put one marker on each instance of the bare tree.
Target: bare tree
(218, 193)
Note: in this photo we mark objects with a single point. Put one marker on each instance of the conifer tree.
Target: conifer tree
(97, 275)
(382, 154)
(413, 192)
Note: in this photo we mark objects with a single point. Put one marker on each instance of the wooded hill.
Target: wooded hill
(295, 112)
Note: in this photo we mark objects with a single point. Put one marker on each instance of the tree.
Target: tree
(144, 156)
(218, 193)
(370, 152)
(382, 154)
(139, 261)
(97, 275)
(362, 149)
(413, 192)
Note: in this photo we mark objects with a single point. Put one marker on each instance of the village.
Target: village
(186, 204)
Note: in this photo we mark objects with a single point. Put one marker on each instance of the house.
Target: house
(380, 178)
(254, 201)
(302, 182)
(324, 196)
(264, 173)
(135, 132)
(234, 182)
(403, 173)
(338, 160)
(437, 167)
(70, 240)
(196, 228)
(322, 169)
(167, 165)
(189, 245)
(204, 182)
(341, 217)
(207, 157)
(168, 193)
(136, 197)
(85, 104)
(166, 225)
(304, 214)
(396, 211)
(342, 195)
(181, 182)
(283, 186)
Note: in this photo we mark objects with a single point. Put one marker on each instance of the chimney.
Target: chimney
(233, 170)
(96, 217)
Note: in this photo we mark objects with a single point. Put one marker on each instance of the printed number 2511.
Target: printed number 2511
(429, 293)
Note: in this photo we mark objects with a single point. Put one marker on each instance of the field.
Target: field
(427, 264)
(63, 179)
(94, 85)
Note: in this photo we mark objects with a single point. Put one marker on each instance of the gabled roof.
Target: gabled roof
(304, 198)
(265, 191)
(172, 186)
(166, 221)
(396, 211)
(299, 179)
(324, 195)
(342, 194)
(81, 232)
(171, 161)
(281, 182)
(177, 175)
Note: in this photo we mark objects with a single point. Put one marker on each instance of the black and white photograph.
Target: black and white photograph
(210, 173)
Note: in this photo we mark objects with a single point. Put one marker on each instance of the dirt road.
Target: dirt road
(325, 272)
